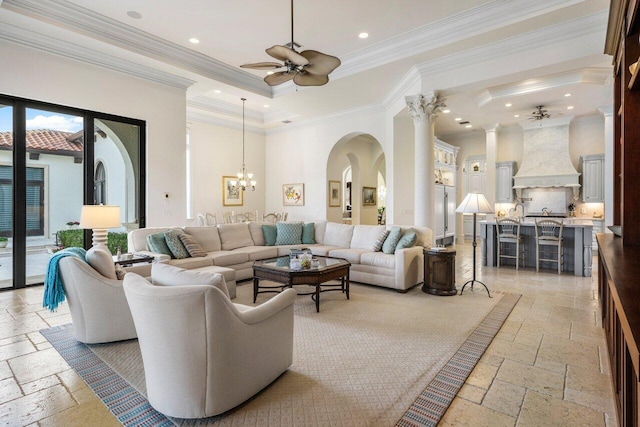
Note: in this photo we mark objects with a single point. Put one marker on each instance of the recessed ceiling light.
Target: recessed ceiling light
(266, 105)
(567, 95)
(446, 111)
(363, 35)
(133, 14)
(194, 40)
(508, 104)
(516, 115)
(570, 107)
(269, 73)
(467, 126)
(457, 119)
(217, 91)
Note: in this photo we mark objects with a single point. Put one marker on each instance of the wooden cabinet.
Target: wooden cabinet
(504, 181)
(445, 209)
(592, 178)
(440, 272)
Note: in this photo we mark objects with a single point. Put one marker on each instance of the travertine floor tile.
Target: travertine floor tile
(36, 365)
(71, 380)
(547, 382)
(33, 407)
(588, 381)
(87, 414)
(559, 329)
(463, 413)
(482, 375)
(570, 352)
(39, 384)
(472, 393)
(542, 410)
(575, 314)
(513, 351)
(9, 390)
(5, 372)
(16, 349)
(504, 397)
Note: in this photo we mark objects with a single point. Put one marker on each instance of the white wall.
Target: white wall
(41, 76)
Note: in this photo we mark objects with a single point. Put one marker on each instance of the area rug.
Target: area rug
(380, 358)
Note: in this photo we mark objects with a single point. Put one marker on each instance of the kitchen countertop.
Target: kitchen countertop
(568, 222)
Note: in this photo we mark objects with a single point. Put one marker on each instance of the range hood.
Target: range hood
(545, 159)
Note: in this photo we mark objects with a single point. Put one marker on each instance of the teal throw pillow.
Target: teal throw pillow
(175, 244)
(309, 234)
(289, 233)
(158, 244)
(269, 232)
(408, 240)
(393, 238)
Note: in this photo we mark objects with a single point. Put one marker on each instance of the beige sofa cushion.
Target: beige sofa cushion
(208, 237)
(233, 236)
(365, 236)
(378, 259)
(258, 252)
(351, 255)
(319, 228)
(338, 235)
(255, 228)
(225, 258)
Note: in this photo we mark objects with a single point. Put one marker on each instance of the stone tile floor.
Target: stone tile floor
(547, 366)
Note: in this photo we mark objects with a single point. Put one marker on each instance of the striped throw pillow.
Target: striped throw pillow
(377, 246)
(192, 246)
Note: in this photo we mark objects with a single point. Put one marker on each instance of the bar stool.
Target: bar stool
(548, 236)
(509, 234)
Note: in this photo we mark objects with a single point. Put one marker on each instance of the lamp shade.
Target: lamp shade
(100, 216)
(474, 203)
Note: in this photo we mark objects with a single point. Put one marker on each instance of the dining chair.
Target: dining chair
(210, 219)
(270, 217)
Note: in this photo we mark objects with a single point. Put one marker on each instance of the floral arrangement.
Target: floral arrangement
(72, 223)
(571, 207)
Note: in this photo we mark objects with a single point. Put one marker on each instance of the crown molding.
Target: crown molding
(598, 76)
(221, 122)
(225, 108)
(278, 116)
(400, 90)
(65, 49)
(606, 110)
(472, 22)
(81, 20)
(585, 26)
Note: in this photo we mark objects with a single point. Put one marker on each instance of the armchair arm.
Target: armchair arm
(268, 308)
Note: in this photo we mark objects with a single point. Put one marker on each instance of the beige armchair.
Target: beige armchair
(203, 354)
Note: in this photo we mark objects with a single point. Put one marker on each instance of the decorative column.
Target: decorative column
(607, 113)
(491, 153)
(423, 109)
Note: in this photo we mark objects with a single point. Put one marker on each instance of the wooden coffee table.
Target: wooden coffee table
(277, 270)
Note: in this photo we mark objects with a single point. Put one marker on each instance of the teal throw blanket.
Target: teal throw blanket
(53, 287)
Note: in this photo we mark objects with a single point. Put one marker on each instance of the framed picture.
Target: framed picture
(293, 194)
(231, 196)
(334, 194)
(369, 196)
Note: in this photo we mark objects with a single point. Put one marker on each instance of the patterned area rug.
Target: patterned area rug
(381, 358)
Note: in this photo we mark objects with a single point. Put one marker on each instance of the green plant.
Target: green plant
(3, 239)
(71, 238)
(117, 240)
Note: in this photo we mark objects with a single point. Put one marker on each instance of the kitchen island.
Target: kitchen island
(577, 241)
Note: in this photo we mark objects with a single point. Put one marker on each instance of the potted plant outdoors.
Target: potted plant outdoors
(3, 242)
(72, 224)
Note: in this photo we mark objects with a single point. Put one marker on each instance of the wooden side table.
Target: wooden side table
(440, 272)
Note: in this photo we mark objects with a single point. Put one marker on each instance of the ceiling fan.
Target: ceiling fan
(540, 113)
(306, 68)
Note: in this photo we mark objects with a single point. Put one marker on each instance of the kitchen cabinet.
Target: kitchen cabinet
(592, 178)
(467, 226)
(445, 210)
(598, 227)
(474, 174)
(504, 181)
(445, 156)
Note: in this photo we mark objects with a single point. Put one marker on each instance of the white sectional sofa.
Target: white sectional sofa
(232, 249)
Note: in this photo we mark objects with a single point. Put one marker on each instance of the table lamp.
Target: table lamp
(474, 203)
(99, 218)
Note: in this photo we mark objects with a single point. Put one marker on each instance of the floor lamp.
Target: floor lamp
(99, 218)
(474, 203)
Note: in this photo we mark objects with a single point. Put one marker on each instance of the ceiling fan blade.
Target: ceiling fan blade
(278, 78)
(283, 53)
(263, 65)
(308, 79)
(320, 63)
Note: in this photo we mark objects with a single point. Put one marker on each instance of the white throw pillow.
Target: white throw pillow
(365, 236)
(338, 234)
(100, 259)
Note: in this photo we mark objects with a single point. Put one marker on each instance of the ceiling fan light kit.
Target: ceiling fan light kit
(306, 68)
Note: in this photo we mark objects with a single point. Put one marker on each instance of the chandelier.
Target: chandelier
(243, 175)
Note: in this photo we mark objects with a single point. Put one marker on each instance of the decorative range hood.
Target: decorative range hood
(545, 159)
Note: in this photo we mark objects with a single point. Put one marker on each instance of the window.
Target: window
(100, 182)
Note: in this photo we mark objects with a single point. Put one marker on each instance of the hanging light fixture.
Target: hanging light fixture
(244, 177)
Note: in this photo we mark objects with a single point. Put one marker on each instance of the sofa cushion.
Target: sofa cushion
(157, 243)
(378, 259)
(208, 237)
(172, 237)
(225, 258)
(365, 236)
(322, 250)
(380, 240)
(407, 240)
(190, 263)
(338, 234)
(192, 246)
(258, 252)
(320, 228)
(137, 239)
(309, 233)
(270, 233)
(351, 255)
(285, 250)
(393, 238)
(424, 234)
(100, 259)
(255, 228)
(235, 236)
(289, 233)
(168, 275)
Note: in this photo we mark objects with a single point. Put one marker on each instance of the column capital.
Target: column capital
(493, 127)
(424, 107)
(606, 110)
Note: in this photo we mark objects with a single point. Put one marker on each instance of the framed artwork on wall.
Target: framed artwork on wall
(369, 196)
(293, 194)
(334, 194)
(231, 196)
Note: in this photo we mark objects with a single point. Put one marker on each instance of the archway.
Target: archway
(356, 161)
